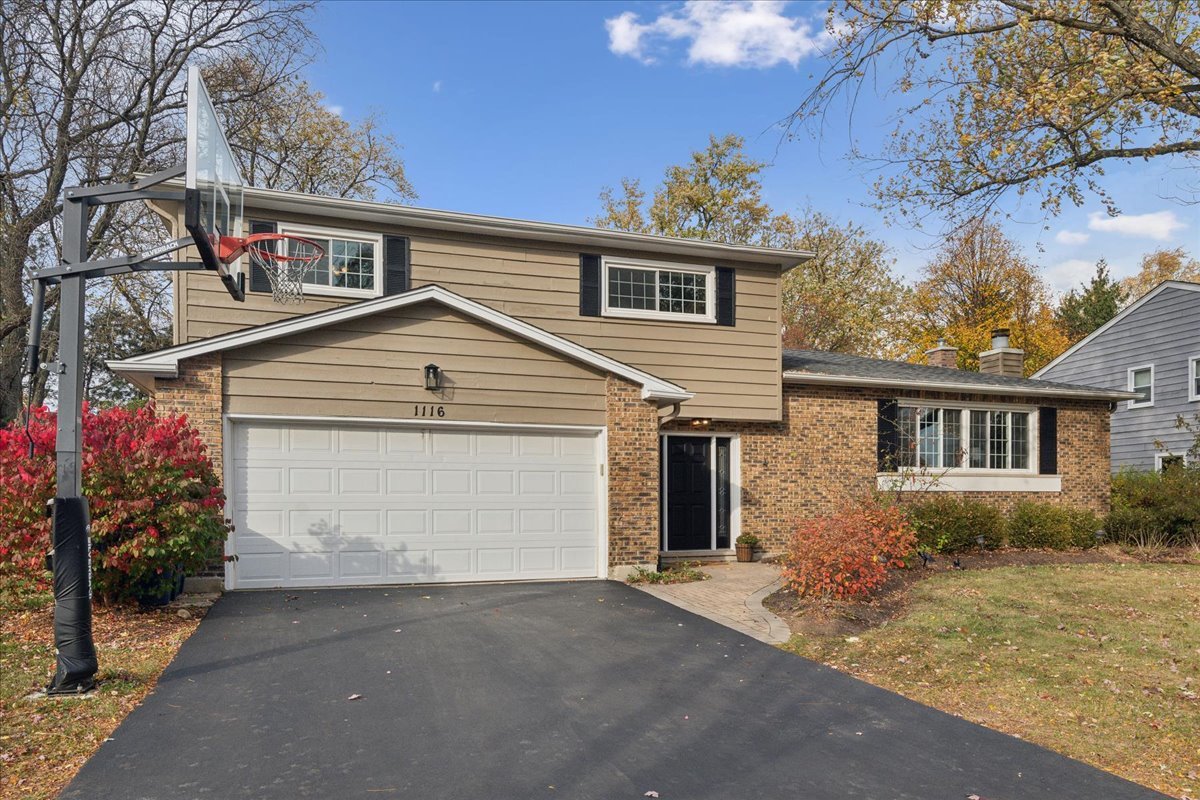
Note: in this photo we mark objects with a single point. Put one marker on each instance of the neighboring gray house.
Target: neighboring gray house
(1152, 348)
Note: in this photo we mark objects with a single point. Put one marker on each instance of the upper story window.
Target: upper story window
(351, 265)
(1194, 379)
(964, 438)
(1141, 381)
(649, 289)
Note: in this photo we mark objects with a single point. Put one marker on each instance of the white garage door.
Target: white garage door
(338, 505)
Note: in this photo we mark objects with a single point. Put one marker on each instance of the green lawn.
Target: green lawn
(44, 742)
(1100, 662)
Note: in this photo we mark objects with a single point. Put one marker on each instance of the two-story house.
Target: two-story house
(472, 398)
(1151, 348)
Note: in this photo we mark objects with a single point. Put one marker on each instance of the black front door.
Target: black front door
(689, 493)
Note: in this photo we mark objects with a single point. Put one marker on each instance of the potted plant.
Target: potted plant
(746, 543)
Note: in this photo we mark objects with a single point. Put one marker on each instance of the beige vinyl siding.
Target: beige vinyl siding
(373, 367)
(734, 372)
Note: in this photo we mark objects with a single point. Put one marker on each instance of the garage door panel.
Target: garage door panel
(451, 481)
(342, 505)
(408, 565)
(449, 444)
(310, 440)
(366, 564)
(538, 559)
(497, 561)
(581, 558)
(310, 480)
(453, 563)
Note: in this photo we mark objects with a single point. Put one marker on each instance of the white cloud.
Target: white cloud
(1159, 225)
(722, 33)
(1071, 237)
(1066, 275)
(437, 86)
(335, 110)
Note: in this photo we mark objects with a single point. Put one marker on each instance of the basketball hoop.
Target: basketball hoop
(285, 270)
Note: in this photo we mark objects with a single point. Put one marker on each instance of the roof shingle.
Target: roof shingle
(798, 364)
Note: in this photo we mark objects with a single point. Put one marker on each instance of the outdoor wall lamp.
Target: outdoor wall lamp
(433, 377)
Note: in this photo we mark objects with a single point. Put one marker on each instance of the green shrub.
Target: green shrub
(949, 524)
(1162, 505)
(1051, 526)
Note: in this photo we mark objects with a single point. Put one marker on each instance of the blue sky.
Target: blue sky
(528, 109)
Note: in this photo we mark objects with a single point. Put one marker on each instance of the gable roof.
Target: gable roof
(1141, 301)
(840, 369)
(165, 363)
(484, 225)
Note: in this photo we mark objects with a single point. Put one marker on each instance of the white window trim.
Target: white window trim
(965, 440)
(1193, 373)
(994, 481)
(1135, 403)
(1159, 457)
(312, 232)
(710, 290)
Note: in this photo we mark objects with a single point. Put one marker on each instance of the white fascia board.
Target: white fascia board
(479, 224)
(949, 386)
(1141, 301)
(165, 363)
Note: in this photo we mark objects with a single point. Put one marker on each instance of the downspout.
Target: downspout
(672, 414)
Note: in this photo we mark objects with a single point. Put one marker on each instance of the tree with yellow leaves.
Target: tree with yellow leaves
(979, 281)
(845, 298)
(1159, 266)
(1024, 96)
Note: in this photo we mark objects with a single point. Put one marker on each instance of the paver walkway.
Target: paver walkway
(732, 596)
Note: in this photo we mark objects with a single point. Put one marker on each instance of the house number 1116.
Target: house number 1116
(429, 411)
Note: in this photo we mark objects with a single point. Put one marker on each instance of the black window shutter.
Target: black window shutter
(1048, 440)
(589, 285)
(888, 432)
(726, 297)
(397, 275)
(259, 282)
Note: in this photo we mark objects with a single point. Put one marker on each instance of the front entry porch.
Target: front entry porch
(700, 497)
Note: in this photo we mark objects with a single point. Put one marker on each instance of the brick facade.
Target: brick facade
(824, 450)
(633, 499)
(197, 393)
(821, 452)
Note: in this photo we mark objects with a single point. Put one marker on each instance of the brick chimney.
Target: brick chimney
(942, 356)
(1002, 359)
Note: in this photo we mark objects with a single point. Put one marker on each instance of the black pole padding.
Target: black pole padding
(75, 672)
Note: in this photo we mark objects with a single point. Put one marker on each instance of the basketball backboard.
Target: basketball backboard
(212, 178)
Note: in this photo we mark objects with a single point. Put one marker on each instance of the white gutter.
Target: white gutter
(480, 224)
(948, 386)
(574, 236)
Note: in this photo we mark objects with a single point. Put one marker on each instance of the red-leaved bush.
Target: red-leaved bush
(156, 504)
(848, 554)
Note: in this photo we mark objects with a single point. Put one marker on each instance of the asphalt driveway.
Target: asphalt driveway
(567, 690)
